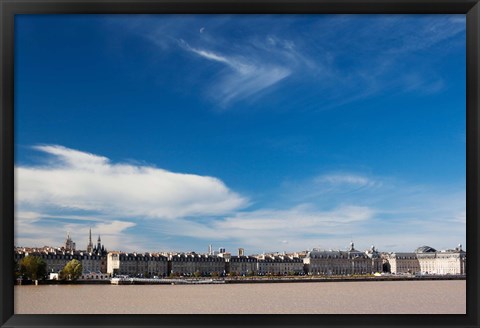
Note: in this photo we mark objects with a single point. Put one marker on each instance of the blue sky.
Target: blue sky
(271, 133)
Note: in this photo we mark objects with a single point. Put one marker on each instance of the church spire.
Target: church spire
(90, 244)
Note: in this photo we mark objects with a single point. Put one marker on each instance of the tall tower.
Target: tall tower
(99, 242)
(69, 244)
(90, 244)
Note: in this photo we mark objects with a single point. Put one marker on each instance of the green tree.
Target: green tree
(33, 267)
(72, 270)
(16, 269)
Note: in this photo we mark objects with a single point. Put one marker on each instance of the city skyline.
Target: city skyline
(70, 245)
(272, 134)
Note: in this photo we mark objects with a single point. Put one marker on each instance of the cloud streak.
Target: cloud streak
(248, 75)
(208, 55)
(272, 229)
(345, 180)
(345, 58)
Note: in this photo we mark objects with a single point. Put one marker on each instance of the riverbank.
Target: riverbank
(246, 280)
(341, 279)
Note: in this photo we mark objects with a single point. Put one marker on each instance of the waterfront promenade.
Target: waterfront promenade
(354, 297)
(268, 279)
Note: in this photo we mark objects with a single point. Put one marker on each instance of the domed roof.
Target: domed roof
(425, 249)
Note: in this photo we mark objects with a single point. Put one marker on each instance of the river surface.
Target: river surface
(365, 297)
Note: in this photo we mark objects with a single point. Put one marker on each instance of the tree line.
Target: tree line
(35, 268)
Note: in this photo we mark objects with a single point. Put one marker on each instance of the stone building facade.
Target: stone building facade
(406, 262)
(279, 265)
(133, 264)
(56, 259)
(427, 260)
(190, 264)
(242, 265)
(451, 261)
(424, 260)
(376, 259)
(352, 261)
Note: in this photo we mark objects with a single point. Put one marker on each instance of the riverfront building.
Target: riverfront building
(406, 262)
(132, 264)
(242, 265)
(451, 261)
(56, 259)
(190, 264)
(427, 260)
(375, 258)
(352, 261)
(279, 265)
(96, 261)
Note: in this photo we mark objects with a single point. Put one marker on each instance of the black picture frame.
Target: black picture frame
(9, 8)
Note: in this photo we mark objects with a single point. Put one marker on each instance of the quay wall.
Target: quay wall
(245, 280)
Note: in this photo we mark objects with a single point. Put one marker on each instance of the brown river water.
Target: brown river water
(358, 297)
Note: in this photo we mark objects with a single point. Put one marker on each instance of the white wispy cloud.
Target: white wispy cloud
(366, 63)
(209, 55)
(427, 33)
(300, 219)
(249, 74)
(325, 188)
(346, 179)
(268, 229)
(347, 58)
(83, 181)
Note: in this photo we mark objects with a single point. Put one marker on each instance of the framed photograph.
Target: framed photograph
(227, 163)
